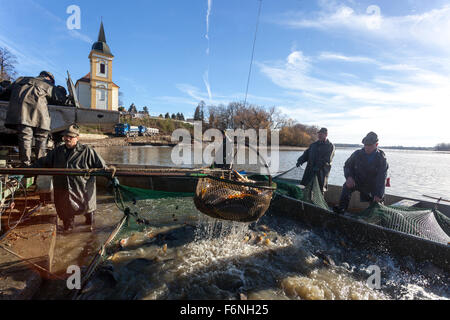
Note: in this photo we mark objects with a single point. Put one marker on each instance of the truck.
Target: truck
(144, 131)
(125, 130)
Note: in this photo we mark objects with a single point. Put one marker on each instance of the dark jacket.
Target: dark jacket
(319, 156)
(74, 195)
(28, 103)
(370, 177)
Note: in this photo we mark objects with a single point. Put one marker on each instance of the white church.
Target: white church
(96, 90)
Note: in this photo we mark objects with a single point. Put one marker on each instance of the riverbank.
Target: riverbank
(99, 140)
(96, 140)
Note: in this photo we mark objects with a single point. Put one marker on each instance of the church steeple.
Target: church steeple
(101, 34)
(101, 45)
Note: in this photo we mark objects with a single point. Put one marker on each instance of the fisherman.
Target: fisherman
(28, 112)
(74, 195)
(226, 154)
(319, 157)
(366, 172)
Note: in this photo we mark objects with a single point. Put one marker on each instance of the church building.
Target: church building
(96, 90)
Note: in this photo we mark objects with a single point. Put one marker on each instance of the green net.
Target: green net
(144, 210)
(310, 194)
(424, 223)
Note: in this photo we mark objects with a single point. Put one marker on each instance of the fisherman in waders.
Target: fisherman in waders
(28, 112)
(365, 171)
(319, 157)
(74, 195)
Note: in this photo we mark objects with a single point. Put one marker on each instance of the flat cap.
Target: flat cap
(370, 139)
(72, 131)
(47, 74)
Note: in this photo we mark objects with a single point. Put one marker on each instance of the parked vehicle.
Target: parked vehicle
(144, 131)
(125, 130)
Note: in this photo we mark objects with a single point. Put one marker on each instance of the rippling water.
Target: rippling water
(185, 255)
(200, 258)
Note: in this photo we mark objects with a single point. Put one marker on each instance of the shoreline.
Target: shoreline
(99, 140)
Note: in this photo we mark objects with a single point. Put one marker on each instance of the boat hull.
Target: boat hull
(358, 232)
(362, 233)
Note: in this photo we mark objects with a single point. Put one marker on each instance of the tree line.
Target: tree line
(237, 115)
(133, 110)
(443, 147)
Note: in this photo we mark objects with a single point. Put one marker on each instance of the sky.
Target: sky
(351, 66)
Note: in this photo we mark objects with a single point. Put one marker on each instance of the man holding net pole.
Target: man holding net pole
(319, 157)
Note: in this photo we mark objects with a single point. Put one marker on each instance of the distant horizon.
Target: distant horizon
(352, 66)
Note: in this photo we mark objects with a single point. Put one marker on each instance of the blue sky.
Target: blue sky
(352, 66)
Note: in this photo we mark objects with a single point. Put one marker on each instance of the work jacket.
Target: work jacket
(369, 174)
(74, 195)
(28, 103)
(319, 156)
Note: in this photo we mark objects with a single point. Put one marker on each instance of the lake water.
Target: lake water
(413, 173)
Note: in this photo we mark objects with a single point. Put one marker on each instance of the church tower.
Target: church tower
(96, 90)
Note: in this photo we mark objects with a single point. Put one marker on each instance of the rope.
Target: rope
(12, 201)
(253, 52)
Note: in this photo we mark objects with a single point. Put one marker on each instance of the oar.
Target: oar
(439, 199)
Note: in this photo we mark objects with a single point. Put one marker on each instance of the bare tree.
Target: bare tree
(7, 65)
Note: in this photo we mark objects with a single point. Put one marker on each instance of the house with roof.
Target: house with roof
(96, 90)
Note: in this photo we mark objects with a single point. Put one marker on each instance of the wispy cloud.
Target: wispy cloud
(341, 57)
(31, 59)
(395, 104)
(431, 28)
(72, 33)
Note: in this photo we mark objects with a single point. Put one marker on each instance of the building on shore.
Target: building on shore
(96, 90)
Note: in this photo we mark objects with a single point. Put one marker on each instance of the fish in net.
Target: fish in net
(235, 200)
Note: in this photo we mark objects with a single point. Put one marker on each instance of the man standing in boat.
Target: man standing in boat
(28, 112)
(366, 172)
(319, 157)
(74, 195)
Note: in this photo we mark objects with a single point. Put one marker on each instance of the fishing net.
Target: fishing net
(310, 193)
(424, 223)
(233, 200)
(145, 210)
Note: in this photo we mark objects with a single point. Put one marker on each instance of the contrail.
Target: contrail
(208, 87)
(208, 13)
(206, 74)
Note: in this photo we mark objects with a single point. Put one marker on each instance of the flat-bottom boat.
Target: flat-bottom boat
(356, 230)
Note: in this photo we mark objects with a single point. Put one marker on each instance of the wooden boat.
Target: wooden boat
(355, 231)
(360, 232)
